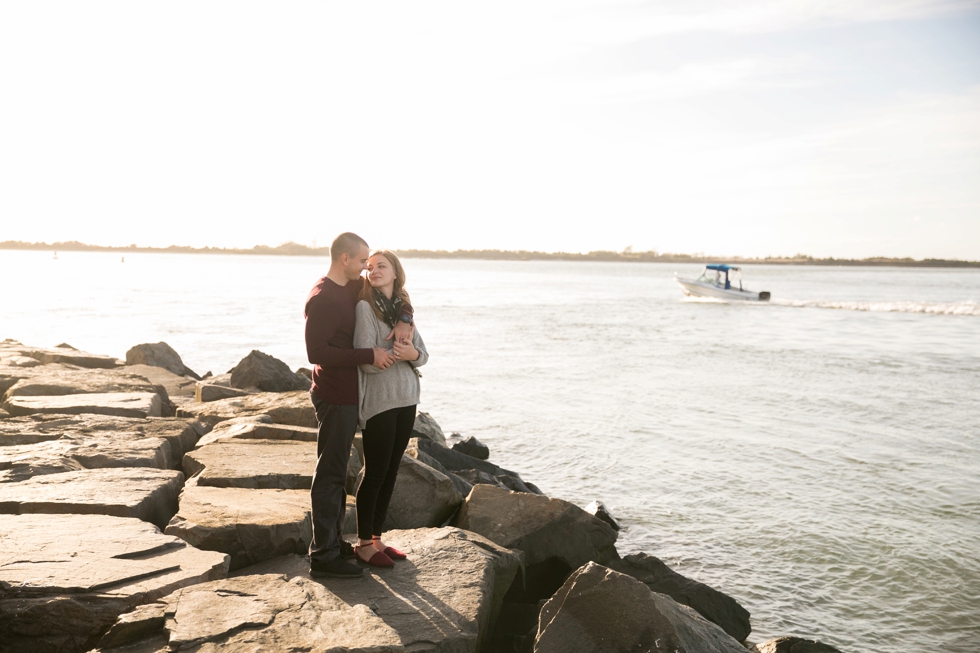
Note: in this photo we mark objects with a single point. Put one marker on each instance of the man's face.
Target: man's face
(356, 264)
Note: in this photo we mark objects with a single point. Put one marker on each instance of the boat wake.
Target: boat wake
(935, 308)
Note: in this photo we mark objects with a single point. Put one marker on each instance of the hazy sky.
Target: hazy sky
(834, 128)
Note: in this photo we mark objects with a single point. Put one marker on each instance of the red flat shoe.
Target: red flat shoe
(379, 559)
(394, 553)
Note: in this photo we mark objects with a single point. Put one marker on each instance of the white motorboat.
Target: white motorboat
(720, 282)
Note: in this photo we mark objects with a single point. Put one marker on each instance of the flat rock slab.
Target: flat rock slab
(599, 610)
(445, 597)
(147, 494)
(70, 382)
(248, 525)
(20, 463)
(294, 408)
(715, 606)
(264, 612)
(176, 385)
(182, 434)
(257, 427)
(258, 464)
(119, 404)
(62, 354)
(67, 577)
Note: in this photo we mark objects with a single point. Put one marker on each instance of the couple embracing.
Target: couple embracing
(361, 339)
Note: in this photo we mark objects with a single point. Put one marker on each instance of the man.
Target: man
(330, 347)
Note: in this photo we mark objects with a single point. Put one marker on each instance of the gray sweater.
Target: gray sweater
(381, 390)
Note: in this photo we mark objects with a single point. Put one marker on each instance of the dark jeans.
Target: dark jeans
(329, 499)
(385, 437)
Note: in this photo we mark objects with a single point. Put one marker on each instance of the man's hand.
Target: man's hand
(402, 331)
(405, 351)
(383, 358)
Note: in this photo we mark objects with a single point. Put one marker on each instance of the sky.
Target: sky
(751, 128)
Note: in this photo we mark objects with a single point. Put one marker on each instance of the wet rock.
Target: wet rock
(456, 461)
(176, 386)
(599, 509)
(204, 391)
(445, 597)
(556, 536)
(159, 354)
(793, 645)
(67, 577)
(426, 427)
(248, 525)
(265, 612)
(294, 408)
(267, 373)
(182, 434)
(257, 427)
(147, 494)
(472, 447)
(423, 497)
(598, 610)
(266, 464)
(711, 604)
(119, 404)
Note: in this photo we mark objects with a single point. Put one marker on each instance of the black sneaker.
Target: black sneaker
(336, 568)
(347, 550)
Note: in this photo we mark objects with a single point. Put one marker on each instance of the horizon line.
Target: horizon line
(651, 256)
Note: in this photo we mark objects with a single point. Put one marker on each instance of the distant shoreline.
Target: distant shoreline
(295, 249)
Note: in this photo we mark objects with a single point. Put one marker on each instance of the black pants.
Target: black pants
(328, 497)
(385, 437)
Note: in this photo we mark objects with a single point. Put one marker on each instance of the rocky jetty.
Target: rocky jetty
(144, 509)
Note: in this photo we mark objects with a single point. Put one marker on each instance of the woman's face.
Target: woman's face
(380, 271)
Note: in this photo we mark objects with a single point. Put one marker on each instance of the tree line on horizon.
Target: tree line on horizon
(296, 249)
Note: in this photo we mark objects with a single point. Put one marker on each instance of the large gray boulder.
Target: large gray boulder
(427, 428)
(267, 373)
(423, 497)
(67, 577)
(793, 645)
(456, 461)
(472, 447)
(444, 598)
(159, 354)
(182, 434)
(555, 536)
(462, 485)
(248, 525)
(147, 494)
(118, 404)
(245, 463)
(293, 408)
(262, 612)
(73, 382)
(599, 610)
(711, 604)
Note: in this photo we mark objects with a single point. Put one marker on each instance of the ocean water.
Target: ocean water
(817, 458)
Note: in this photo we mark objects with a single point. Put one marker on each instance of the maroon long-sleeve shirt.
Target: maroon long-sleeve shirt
(330, 341)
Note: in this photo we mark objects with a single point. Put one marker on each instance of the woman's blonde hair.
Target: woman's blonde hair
(367, 291)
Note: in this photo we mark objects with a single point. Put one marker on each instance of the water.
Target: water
(817, 458)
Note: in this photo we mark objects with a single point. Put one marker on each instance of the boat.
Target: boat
(720, 282)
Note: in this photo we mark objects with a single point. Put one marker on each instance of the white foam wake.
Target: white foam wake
(936, 308)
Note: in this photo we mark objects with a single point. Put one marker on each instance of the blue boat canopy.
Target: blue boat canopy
(723, 268)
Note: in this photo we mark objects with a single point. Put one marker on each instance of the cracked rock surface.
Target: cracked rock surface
(292, 408)
(119, 404)
(65, 578)
(247, 463)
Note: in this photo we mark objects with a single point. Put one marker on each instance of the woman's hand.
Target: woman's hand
(405, 351)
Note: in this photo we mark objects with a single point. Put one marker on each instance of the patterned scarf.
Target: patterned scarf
(390, 308)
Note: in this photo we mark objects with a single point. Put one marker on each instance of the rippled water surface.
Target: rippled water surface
(817, 458)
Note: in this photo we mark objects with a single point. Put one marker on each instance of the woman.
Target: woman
(387, 399)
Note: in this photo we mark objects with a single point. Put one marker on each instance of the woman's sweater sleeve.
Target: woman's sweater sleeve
(365, 333)
(420, 346)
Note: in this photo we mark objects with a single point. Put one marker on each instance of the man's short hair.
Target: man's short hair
(346, 243)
